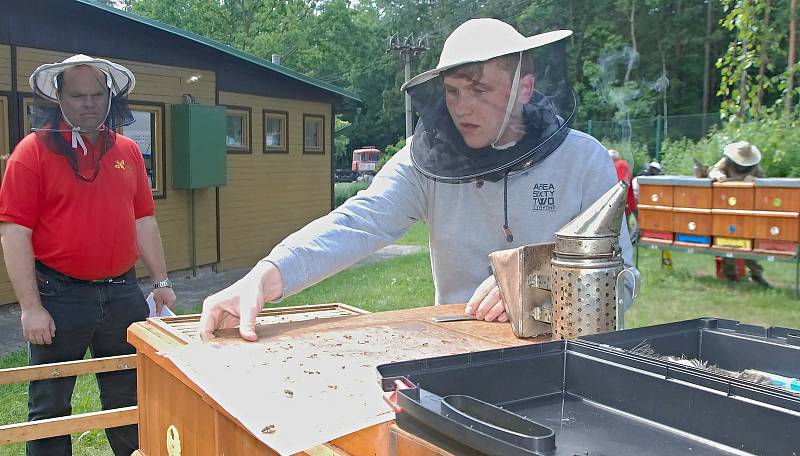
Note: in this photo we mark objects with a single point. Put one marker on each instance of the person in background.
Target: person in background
(624, 173)
(740, 162)
(76, 212)
(653, 169)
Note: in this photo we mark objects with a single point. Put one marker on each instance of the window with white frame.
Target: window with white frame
(276, 131)
(313, 134)
(237, 129)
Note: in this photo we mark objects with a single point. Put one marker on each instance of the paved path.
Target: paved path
(191, 292)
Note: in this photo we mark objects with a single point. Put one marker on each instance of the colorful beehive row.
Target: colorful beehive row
(763, 216)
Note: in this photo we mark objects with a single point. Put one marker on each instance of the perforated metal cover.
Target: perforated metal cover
(583, 301)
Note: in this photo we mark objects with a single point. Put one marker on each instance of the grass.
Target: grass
(689, 291)
(692, 291)
(416, 235)
(400, 283)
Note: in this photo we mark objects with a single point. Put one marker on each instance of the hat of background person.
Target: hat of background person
(479, 40)
(119, 79)
(743, 153)
(614, 154)
(655, 165)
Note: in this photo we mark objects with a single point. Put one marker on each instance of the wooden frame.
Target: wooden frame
(245, 113)
(314, 119)
(284, 133)
(158, 183)
(21, 432)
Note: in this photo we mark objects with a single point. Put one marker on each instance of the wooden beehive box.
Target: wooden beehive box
(692, 221)
(655, 203)
(691, 192)
(655, 190)
(739, 196)
(171, 403)
(733, 224)
(691, 212)
(655, 218)
(776, 226)
(777, 194)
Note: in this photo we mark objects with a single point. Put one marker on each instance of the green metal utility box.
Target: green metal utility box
(198, 146)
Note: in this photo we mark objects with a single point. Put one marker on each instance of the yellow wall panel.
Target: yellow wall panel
(5, 68)
(269, 196)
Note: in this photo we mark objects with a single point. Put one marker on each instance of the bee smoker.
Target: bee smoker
(574, 286)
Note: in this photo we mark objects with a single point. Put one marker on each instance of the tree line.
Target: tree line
(667, 57)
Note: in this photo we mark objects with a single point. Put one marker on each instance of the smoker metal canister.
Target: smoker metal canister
(587, 259)
(584, 297)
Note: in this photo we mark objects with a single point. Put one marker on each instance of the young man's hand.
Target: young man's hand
(240, 303)
(38, 326)
(486, 303)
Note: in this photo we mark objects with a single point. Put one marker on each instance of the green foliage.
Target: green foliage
(389, 152)
(345, 190)
(341, 143)
(777, 137)
(342, 42)
(752, 85)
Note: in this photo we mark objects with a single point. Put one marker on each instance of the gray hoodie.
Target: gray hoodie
(465, 221)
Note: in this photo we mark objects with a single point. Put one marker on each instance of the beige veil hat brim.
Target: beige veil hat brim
(479, 40)
(742, 153)
(43, 80)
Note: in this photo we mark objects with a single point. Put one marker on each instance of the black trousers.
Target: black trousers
(94, 316)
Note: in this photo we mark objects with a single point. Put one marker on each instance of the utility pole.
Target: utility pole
(408, 48)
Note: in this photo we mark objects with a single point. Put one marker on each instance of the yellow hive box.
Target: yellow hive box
(731, 243)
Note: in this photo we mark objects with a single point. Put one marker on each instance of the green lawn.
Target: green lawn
(689, 291)
(692, 291)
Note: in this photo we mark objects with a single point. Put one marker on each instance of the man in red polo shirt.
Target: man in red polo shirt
(76, 212)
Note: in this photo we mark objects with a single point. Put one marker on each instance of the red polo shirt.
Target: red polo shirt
(86, 230)
(624, 173)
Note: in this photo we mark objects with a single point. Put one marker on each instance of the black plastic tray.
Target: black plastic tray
(727, 344)
(567, 398)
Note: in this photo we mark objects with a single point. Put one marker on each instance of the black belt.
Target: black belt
(41, 267)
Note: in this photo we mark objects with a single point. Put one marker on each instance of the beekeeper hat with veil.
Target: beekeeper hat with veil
(477, 122)
(62, 134)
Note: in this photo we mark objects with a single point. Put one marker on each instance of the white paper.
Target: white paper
(165, 311)
(311, 386)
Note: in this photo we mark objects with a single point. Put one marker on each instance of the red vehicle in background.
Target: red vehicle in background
(365, 160)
